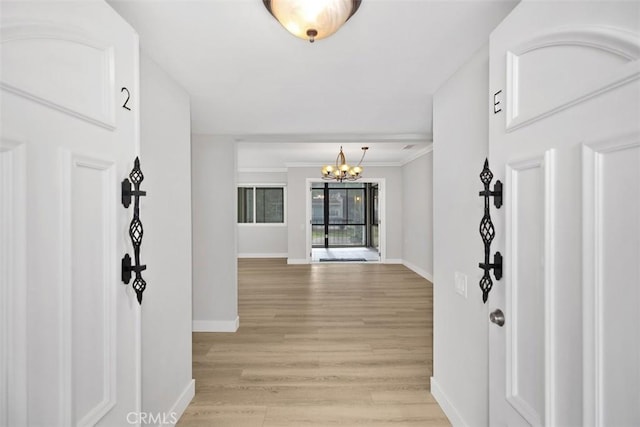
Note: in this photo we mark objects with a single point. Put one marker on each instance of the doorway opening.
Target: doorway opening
(345, 222)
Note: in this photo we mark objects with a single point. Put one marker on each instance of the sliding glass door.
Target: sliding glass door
(373, 217)
(342, 215)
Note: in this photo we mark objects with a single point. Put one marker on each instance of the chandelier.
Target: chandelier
(341, 171)
(312, 19)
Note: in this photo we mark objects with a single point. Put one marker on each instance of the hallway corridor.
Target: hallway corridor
(339, 344)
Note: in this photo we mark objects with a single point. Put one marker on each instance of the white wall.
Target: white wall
(245, 177)
(215, 275)
(165, 154)
(417, 215)
(460, 145)
(297, 210)
(262, 240)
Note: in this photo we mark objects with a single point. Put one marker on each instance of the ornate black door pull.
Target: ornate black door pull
(487, 231)
(486, 176)
(128, 268)
(135, 230)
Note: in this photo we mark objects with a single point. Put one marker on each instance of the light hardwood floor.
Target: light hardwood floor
(319, 345)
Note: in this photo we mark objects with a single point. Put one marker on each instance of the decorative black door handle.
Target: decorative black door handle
(486, 176)
(488, 232)
(135, 230)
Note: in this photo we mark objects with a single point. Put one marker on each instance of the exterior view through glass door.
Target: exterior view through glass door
(344, 222)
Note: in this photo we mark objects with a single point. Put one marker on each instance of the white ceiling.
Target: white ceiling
(372, 80)
(254, 155)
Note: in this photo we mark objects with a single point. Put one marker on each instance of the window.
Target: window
(261, 205)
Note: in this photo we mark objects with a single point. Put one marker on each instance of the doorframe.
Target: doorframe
(382, 229)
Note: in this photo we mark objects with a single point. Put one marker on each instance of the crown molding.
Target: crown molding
(262, 170)
(336, 137)
(414, 156)
(418, 154)
(320, 165)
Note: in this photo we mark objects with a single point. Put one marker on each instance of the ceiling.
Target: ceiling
(372, 80)
(254, 155)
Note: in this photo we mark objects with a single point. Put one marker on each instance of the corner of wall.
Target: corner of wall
(421, 272)
(460, 383)
(215, 272)
(417, 214)
(181, 404)
(165, 138)
(447, 405)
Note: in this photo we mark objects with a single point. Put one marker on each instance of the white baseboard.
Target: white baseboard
(418, 270)
(263, 255)
(183, 401)
(447, 406)
(216, 325)
(297, 261)
(392, 261)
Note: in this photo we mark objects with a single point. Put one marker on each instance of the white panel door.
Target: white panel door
(71, 341)
(565, 141)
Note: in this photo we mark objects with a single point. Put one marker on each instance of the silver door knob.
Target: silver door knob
(497, 317)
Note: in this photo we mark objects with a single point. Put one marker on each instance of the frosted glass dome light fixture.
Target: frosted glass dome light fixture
(312, 19)
(341, 171)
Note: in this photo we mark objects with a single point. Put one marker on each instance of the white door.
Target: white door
(565, 141)
(71, 330)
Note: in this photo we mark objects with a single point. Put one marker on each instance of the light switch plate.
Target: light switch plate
(461, 283)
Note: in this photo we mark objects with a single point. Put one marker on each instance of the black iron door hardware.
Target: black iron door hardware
(135, 230)
(486, 176)
(488, 232)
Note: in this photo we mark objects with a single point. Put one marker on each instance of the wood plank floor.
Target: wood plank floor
(319, 345)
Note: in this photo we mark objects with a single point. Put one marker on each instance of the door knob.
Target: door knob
(497, 317)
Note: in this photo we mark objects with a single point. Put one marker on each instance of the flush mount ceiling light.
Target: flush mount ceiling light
(312, 19)
(341, 171)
